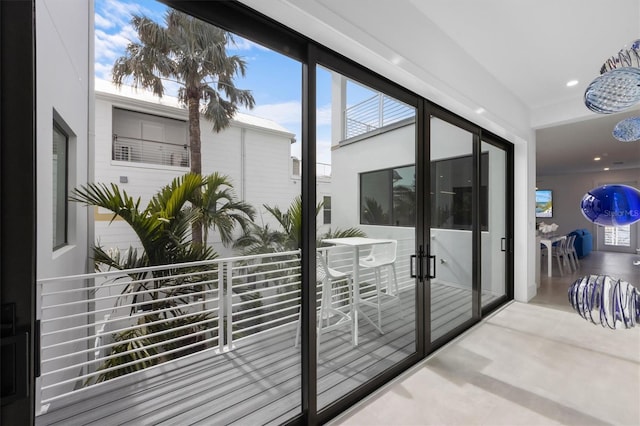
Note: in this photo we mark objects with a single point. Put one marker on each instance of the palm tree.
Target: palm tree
(161, 227)
(219, 208)
(260, 239)
(291, 222)
(263, 240)
(192, 53)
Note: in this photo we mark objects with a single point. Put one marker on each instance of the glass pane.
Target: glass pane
(451, 235)
(368, 328)
(59, 181)
(194, 304)
(494, 233)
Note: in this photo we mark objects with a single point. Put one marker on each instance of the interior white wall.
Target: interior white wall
(568, 191)
(453, 80)
(64, 61)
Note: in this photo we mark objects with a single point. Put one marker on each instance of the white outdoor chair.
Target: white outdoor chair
(571, 251)
(382, 256)
(559, 251)
(330, 317)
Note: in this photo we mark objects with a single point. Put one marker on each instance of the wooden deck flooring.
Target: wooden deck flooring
(257, 382)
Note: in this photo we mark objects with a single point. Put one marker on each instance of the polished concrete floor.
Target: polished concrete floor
(537, 363)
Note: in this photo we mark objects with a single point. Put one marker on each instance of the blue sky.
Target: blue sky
(274, 79)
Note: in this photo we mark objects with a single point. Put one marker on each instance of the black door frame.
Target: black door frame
(17, 210)
(479, 135)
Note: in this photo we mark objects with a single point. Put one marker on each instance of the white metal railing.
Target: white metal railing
(149, 151)
(373, 113)
(98, 326)
(323, 169)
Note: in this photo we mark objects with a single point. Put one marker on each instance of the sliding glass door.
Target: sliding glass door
(366, 190)
(453, 207)
(347, 232)
(495, 241)
(469, 243)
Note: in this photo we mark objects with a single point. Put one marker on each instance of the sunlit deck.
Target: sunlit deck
(258, 382)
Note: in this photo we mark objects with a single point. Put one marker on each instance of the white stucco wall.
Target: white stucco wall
(64, 75)
(256, 159)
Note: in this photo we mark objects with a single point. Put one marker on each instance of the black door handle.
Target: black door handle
(503, 247)
(432, 272)
(412, 259)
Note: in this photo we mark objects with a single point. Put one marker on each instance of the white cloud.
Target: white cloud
(283, 113)
(108, 47)
(102, 22)
(290, 113)
(323, 115)
(103, 71)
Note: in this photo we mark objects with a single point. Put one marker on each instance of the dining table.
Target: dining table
(548, 241)
(357, 243)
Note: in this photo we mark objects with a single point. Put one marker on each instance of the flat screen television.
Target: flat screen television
(544, 203)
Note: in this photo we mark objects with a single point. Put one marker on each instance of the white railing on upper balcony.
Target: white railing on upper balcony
(149, 151)
(373, 113)
(98, 326)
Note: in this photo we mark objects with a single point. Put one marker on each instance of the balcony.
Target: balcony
(219, 341)
(374, 113)
(149, 151)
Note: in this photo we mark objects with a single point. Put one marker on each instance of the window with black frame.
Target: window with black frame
(326, 209)
(452, 192)
(387, 197)
(60, 185)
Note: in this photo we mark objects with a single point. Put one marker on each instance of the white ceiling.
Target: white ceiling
(533, 48)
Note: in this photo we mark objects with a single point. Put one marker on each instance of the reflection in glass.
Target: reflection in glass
(451, 236)
(494, 244)
(372, 186)
(452, 202)
(387, 197)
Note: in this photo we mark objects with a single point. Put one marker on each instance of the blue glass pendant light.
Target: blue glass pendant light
(628, 130)
(618, 85)
(614, 91)
(612, 205)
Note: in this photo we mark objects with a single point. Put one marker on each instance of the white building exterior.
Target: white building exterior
(64, 138)
(255, 153)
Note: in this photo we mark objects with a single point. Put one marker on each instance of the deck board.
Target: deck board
(259, 381)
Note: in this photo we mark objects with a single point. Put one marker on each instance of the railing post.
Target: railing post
(221, 307)
(380, 110)
(345, 128)
(229, 307)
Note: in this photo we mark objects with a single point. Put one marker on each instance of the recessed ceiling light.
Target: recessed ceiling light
(606, 168)
(572, 83)
(596, 159)
(480, 110)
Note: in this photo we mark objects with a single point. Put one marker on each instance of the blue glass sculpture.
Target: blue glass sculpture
(628, 130)
(612, 205)
(608, 301)
(614, 91)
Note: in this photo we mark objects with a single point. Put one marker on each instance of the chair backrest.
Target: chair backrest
(562, 246)
(384, 253)
(322, 270)
(570, 243)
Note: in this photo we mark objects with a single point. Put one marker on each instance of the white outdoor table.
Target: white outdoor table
(357, 243)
